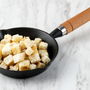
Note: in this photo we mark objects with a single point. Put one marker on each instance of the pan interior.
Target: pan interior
(36, 33)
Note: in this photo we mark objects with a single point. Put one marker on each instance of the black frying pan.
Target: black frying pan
(33, 33)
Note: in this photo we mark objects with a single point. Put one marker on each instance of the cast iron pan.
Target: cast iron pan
(33, 33)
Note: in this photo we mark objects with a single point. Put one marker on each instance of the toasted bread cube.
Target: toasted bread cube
(3, 65)
(15, 67)
(0, 54)
(14, 43)
(8, 38)
(3, 41)
(29, 51)
(34, 48)
(24, 50)
(40, 65)
(33, 41)
(1, 46)
(28, 43)
(45, 59)
(37, 41)
(0, 61)
(43, 53)
(16, 49)
(22, 45)
(17, 38)
(26, 38)
(18, 57)
(6, 50)
(43, 45)
(33, 66)
(24, 65)
(34, 58)
(9, 60)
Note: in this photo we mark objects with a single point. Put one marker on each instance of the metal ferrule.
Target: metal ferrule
(62, 29)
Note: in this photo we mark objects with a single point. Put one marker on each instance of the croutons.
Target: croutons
(43, 53)
(45, 59)
(27, 43)
(3, 65)
(22, 45)
(24, 65)
(7, 39)
(4, 41)
(9, 60)
(34, 48)
(33, 66)
(16, 49)
(0, 61)
(37, 41)
(29, 51)
(18, 53)
(1, 46)
(40, 65)
(18, 57)
(43, 45)
(6, 50)
(17, 38)
(15, 67)
(35, 58)
(26, 38)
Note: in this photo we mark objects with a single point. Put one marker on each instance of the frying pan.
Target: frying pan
(33, 33)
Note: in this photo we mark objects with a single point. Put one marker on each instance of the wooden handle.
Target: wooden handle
(77, 21)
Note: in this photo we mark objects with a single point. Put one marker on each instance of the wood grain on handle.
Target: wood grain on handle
(77, 21)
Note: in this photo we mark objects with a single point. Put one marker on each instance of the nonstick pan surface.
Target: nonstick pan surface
(33, 33)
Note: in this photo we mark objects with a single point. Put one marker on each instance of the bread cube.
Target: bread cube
(34, 58)
(0, 61)
(37, 41)
(18, 57)
(43, 53)
(3, 41)
(28, 43)
(16, 49)
(3, 65)
(0, 54)
(24, 65)
(45, 59)
(40, 65)
(26, 38)
(22, 45)
(15, 67)
(17, 38)
(9, 60)
(8, 38)
(33, 41)
(6, 50)
(29, 51)
(34, 48)
(43, 45)
(14, 43)
(33, 66)
(1, 46)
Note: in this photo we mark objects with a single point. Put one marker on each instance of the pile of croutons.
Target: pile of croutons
(20, 53)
